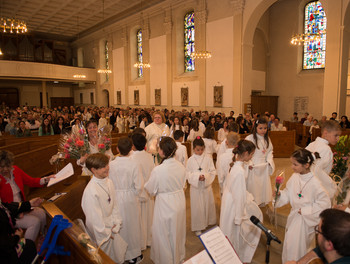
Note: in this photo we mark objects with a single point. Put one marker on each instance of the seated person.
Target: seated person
(277, 126)
(22, 130)
(13, 247)
(12, 181)
(333, 239)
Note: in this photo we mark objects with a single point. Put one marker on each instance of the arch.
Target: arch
(105, 97)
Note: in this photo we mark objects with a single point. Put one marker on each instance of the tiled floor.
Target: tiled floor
(193, 244)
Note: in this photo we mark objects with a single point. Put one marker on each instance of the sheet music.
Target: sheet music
(201, 258)
(219, 247)
(66, 172)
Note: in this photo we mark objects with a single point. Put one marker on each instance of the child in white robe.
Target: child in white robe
(223, 162)
(181, 152)
(262, 164)
(200, 173)
(211, 146)
(169, 219)
(128, 183)
(237, 206)
(195, 131)
(103, 220)
(145, 161)
(232, 127)
(308, 199)
(330, 131)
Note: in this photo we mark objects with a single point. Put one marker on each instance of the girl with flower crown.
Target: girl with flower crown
(262, 164)
(308, 199)
(200, 173)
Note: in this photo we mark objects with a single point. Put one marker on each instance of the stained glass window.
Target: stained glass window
(189, 41)
(106, 59)
(139, 52)
(315, 47)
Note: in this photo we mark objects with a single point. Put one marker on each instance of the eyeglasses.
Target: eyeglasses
(316, 228)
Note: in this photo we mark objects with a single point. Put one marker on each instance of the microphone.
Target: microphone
(268, 232)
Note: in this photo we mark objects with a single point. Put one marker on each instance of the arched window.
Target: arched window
(315, 22)
(139, 52)
(189, 41)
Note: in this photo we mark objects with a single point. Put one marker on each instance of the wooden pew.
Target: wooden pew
(9, 140)
(283, 143)
(25, 146)
(305, 136)
(298, 133)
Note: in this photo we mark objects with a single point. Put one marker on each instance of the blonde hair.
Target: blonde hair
(159, 113)
(232, 138)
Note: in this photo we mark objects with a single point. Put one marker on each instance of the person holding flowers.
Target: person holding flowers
(308, 199)
(97, 144)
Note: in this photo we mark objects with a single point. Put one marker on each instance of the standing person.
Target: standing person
(186, 128)
(200, 172)
(237, 205)
(176, 126)
(120, 122)
(330, 133)
(224, 161)
(211, 146)
(181, 152)
(169, 219)
(45, 128)
(262, 165)
(128, 183)
(308, 199)
(146, 164)
(102, 122)
(222, 133)
(103, 220)
(243, 129)
(155, 131)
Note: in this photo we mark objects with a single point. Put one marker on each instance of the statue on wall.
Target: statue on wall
(184, 96)
(136, 97)
(157, 97)
(119, 97)
(218, 96)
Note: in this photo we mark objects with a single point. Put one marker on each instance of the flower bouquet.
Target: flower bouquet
(340, 173)
(75, 145)
(57, 161)
(104, 142)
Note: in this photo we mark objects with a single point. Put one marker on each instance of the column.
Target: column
(145, 49)
(127, 67)
(168, 25)
(44, 97)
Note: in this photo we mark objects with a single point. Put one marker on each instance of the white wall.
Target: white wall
(219, 41)
(142, 94)
(193, 93)
(119, 74)
(158, 71)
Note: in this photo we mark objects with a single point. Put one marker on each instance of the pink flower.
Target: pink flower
(335, 153)
(81, 131)
(79, 143)
(345, 158)
(279, 180)
(66, 146)
(101, 146)
(67, 156)
(69, 140)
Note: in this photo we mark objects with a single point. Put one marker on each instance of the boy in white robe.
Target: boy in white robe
(181, 152)
(128, 183)
(308, 199)
(169, 219)
(200, 173)
(146, 164)
(331, 132)
(103, 220)
(224, 161)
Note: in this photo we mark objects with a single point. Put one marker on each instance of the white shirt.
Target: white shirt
(181, 154)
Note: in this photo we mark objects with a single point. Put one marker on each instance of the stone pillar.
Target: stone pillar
(98, 90)
(336, 71)
(111, 75)
(238, 96)
(145, 50)
(168, 25)
(200, 20)
(44, 97)
(127, 66)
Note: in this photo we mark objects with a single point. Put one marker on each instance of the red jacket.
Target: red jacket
(21, 179)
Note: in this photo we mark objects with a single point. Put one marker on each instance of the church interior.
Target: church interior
(137, 54)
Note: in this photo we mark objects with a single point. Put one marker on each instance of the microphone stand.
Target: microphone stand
(268, 243)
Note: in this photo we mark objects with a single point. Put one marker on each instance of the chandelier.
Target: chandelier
(201, 55)
(299, 39)
(142, 65)
(79, 76)
(12, 25)
(104, 71)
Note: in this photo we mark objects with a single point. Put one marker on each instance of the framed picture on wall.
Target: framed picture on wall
(184, 96)
(157, 97)
(136, 97)
(119, 97)
(218, 96)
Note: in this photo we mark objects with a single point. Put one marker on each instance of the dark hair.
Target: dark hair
(303, 156)
(260, 121)
(46, 129)
(6, 158)
(139, 141)
(242, 146)
(334, 113)
(195, 124)
(96, 161)
(124, 145)
(138, 130)
(178, 134)
(198, 141)
(335, 227)
(91, 121)
(168, 146)
(232, 127)
(209, 133)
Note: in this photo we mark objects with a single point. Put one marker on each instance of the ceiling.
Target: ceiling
(71, 18)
